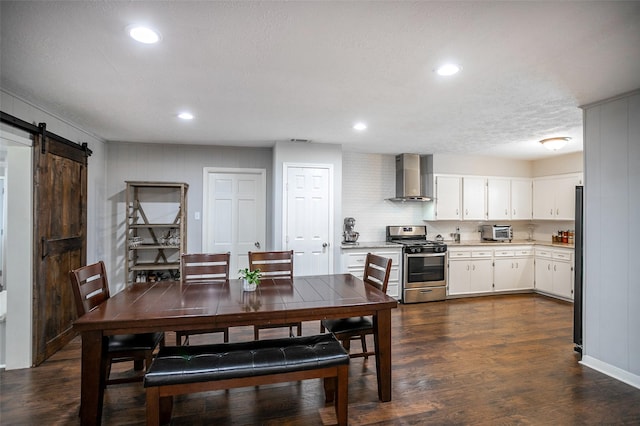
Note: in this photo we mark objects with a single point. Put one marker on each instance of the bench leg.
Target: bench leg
(158, 409)
(342, 395)
(329, 389)
(166, 407)
(153, 406)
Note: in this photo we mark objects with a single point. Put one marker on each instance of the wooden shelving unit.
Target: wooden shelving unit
(156, 230)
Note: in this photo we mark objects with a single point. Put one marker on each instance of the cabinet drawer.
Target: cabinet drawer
(393, 255)
(524, 252)
(483, 253)
(561, 255)
(459, 254)
(543, 253)
(504, 253)
(355, 260)
(416, 295)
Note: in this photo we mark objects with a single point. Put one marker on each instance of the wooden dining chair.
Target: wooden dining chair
(198, 268)
(274, 264)
(91, 288)
(376, 273)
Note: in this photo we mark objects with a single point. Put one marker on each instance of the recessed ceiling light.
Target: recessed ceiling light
(448, 69)
(185, 116)
(360, 126)
(144, 34)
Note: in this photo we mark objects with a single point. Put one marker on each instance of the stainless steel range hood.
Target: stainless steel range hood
(414, 177)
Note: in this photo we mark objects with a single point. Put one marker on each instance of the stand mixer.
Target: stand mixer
(350, 236)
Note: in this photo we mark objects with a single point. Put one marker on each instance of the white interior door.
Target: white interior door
(234, 214)
(308, 214)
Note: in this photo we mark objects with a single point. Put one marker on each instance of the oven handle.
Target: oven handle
(425, 254)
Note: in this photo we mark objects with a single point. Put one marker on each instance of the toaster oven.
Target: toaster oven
(496, 232)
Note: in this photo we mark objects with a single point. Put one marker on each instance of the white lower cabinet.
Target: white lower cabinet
(353, 263)
(554, 272)
(470, 271)
(513, 269)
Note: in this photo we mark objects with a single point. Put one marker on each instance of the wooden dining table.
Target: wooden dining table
(174, 306)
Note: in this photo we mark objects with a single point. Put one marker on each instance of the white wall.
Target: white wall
(169, 163)
(612, 235)
(481, 166)
(561, 164)
(367, 181)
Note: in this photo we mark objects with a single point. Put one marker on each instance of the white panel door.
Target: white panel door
(234, 215)
(308, 214)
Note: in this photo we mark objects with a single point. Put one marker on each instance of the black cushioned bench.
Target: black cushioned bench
(181, 370)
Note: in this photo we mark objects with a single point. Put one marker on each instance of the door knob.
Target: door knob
(257, 244)
(325, 245)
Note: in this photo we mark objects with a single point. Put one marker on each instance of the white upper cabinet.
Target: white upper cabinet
(554, 196)
(509, 199)
(498, 198)
(474, 198)
(521, 199)
(448, 198)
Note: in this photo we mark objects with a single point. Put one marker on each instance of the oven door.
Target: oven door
(425, 270)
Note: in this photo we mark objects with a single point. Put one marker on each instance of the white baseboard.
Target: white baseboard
(610, 370)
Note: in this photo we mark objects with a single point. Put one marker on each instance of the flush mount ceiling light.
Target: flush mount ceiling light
(554, 144)
(143, 34)
(448, 69)
(360, 126)
(185, 116)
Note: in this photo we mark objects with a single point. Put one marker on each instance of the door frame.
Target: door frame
(18, 276)
(206, 171)
(285, 212)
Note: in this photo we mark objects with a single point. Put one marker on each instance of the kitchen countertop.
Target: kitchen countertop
(451, 244)
(370, 244)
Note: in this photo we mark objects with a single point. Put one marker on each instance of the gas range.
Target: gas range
(425, 246)
(414, 239)
(424, 264)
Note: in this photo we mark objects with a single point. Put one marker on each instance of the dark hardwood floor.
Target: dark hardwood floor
(489, 360)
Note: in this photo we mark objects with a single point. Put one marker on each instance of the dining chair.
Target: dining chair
(91, 288)
(376, 272)
(274, 264)
(198, 268)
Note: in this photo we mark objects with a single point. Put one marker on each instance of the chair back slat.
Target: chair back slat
(204, 267)
(272, 264)
(90, 286)
(376, 271)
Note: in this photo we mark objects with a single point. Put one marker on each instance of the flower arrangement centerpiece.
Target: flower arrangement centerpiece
(250, 279)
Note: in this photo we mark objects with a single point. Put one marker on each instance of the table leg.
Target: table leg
(382, 338)
(92, 378)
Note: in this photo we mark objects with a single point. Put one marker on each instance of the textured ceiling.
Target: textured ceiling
(258, 72)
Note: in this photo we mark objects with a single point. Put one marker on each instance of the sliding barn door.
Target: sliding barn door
(60, 212)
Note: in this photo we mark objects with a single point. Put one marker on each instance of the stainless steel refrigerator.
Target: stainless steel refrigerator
(578, 293)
